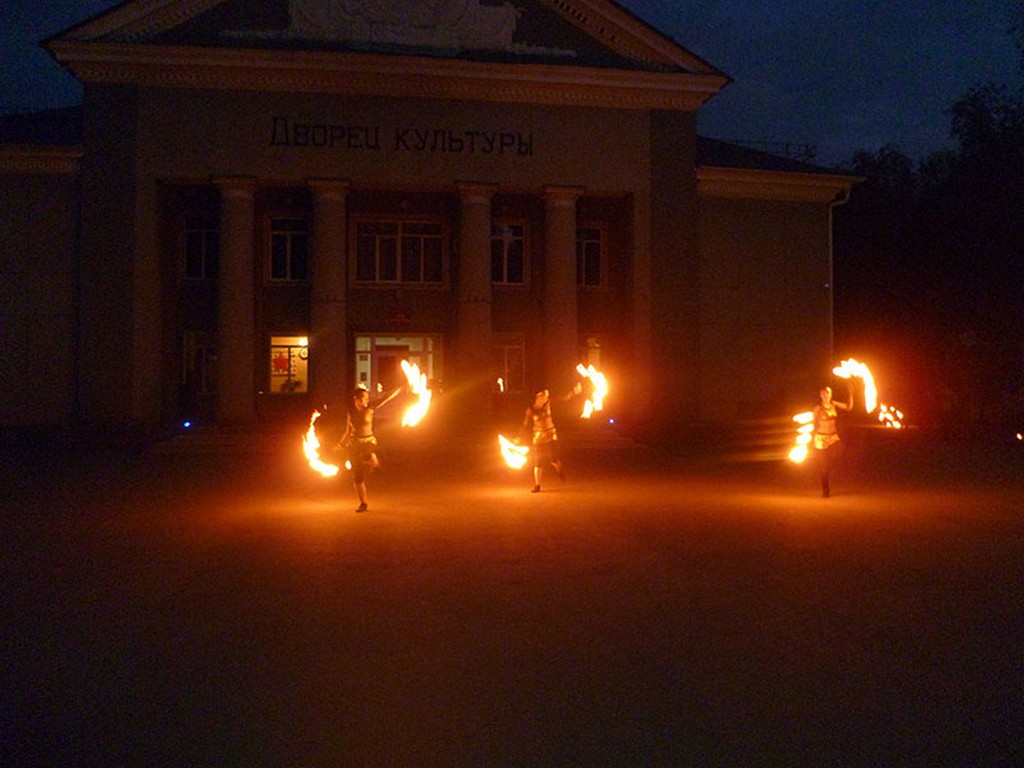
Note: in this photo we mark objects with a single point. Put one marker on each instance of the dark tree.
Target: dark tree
(931, 255)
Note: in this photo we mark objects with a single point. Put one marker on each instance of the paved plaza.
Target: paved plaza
(658, 608)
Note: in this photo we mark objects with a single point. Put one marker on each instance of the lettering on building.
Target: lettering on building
(287, 133)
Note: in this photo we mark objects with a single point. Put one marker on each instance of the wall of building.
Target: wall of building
(393, 156)
(38, 284)
(715, 308)
(766, 306)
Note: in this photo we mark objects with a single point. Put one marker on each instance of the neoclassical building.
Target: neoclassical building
(266, 202)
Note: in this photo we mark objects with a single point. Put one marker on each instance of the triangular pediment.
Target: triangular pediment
(487, 38)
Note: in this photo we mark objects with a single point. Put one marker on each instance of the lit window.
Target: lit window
(289, 364)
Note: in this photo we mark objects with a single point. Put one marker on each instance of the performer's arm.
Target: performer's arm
(391, 396)
(577, 389)
(347, 434)
(527, 428)
(848, 405)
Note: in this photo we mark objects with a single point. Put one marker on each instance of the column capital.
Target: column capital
(561, 196)
(335, 189)
(236, 185)
(475, 191)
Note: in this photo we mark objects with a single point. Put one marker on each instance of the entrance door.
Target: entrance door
(389, 374)
(379, 360)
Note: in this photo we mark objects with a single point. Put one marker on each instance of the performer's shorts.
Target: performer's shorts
(544, 453)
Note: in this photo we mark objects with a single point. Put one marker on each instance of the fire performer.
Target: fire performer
(360, 440)
(539, 421)
(826, 437)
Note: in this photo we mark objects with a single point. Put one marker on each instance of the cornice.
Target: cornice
(393, 76)
(745, 184)
(605, 22)
(139, 19)
(628, 35)
(42, 160)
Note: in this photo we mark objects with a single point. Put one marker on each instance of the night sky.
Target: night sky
(837, 74)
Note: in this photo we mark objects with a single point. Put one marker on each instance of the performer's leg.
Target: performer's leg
(823, 468)
(359, 481)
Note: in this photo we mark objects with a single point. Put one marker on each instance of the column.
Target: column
(561, 341)
(236, 332)
(473, 319)
(328, 340)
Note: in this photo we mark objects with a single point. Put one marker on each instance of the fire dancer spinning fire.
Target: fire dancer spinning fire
(545, 435)
(360, 440)
(825, 434)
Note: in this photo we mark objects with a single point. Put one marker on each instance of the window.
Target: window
(410, 252)
(509, 362)
(289, 250)
(589, 256)
(508, 253)
(289, 364)
(202, 248)
(199, 363)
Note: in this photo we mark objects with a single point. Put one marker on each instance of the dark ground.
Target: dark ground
(216, 608)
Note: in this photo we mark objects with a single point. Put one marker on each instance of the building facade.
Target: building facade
(274, 201)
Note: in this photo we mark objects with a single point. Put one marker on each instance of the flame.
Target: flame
(501, 384)
(889, 416)
(848, 369)
(803, 436)
(311, 447)
(600, 389)
(513, 453)
(418, 382)
(854, 369)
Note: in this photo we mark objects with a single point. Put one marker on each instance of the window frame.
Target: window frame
(209, 235)
(502, 343)
(402, 224)
(602, 270)
(525, 239)
(290, 236)
(295, 347)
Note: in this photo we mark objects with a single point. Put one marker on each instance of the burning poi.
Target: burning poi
(414, 414)
(515, 455)
(418, 386)
(847, 369)
(599, 389)
(311, 448)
